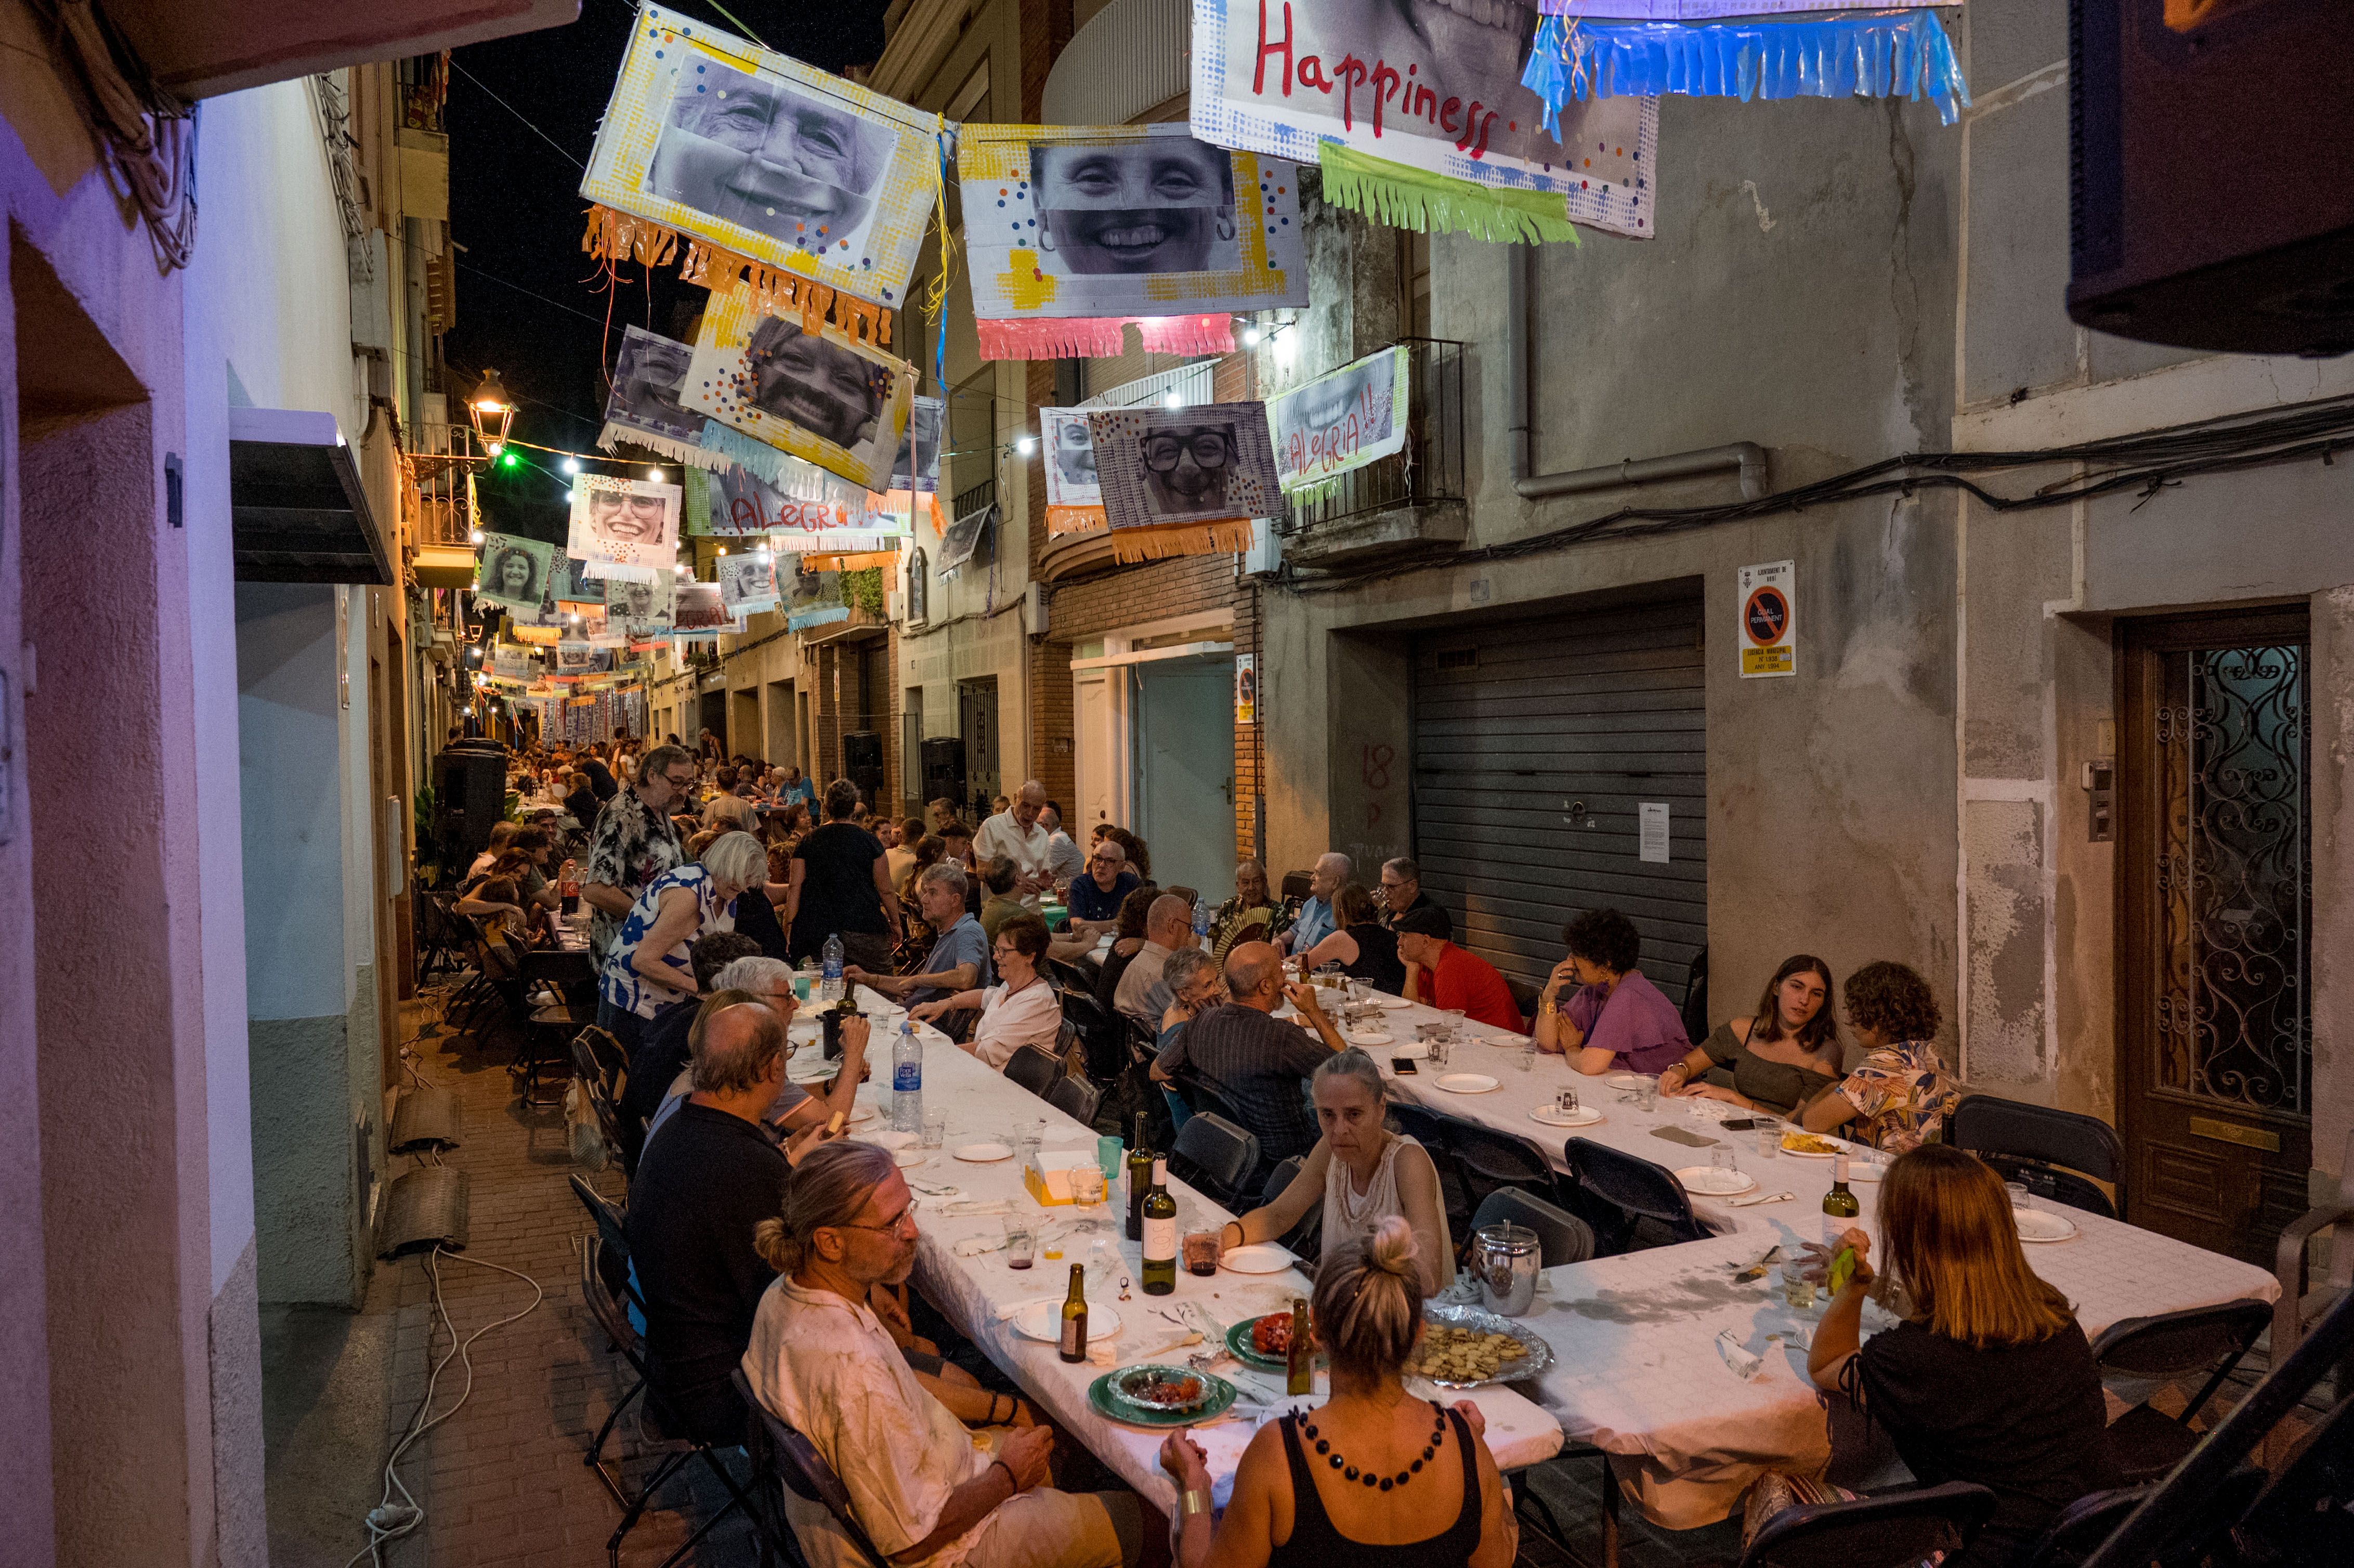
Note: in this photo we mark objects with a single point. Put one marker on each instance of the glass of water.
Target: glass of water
(1769, 1136)
(1525, 1058)
(936, 1128)
(1647, 1093)
(1798, 1290)
(1724, 1158)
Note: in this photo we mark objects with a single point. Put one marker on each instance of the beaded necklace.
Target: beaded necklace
(1352, 1473)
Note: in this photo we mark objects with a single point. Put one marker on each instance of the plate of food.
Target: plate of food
(1263, 1257)
(1553, 1116)
(1466, 1083)
(2043, 1225)
(982, 1153)
(1468, 1347)
(1265, 1342)
(1044, 1321)
(1157, 1395)
(1708, 1181)
(1808, 1145)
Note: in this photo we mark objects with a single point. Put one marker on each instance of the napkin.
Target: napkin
(1737, 1356)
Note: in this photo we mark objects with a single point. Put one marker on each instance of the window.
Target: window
(1414, 284)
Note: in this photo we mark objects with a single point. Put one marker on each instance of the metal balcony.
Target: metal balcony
(1409, 504)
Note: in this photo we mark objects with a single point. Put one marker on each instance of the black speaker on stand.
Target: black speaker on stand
(470, 797)
(861, 764)
(943, 757)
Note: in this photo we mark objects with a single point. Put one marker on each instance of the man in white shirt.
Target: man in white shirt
(1168, 926)
(1016, 834)
(1064, 859)
(925, 1495)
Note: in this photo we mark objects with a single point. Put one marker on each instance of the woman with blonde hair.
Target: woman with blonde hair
(1361, 1477)
(1989, 1378)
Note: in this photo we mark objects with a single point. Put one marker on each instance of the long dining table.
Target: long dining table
(1651, 1347)
(983, 1295)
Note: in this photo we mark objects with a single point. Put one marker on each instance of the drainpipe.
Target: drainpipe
(1746, 457)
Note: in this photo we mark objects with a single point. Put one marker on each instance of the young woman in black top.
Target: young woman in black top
(1989, 1378)
(1785, 1056)
(1366, 948)
(1361, 1479)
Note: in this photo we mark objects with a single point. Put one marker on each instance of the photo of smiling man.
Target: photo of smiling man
(1165, 204)
(1207, 463)
(780, 159)
(826, 388)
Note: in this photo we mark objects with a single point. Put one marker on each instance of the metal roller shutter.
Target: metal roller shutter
(1516, 725)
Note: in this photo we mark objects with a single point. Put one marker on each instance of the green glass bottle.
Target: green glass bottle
(1140, 1174)
(1841, 1210)
(1300, 1357)
(1160, 1233)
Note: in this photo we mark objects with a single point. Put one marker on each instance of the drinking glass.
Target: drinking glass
(2018, 1190)
(1440, 1049)
(1722, 1157)
(1455, 1024)
(1086, 1185)
(1202, 1251)
(1565, 1102)
(1021, 1244)
(1798, 1290)
(1525, 1058)
(1359, 990)
(936, 1128)
(1647, 1095)
(1769, 1137)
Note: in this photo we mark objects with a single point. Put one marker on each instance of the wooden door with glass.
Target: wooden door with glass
(2215, 1025)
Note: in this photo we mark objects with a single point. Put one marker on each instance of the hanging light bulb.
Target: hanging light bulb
(654, 474)
(1171, 399)
(1027, 445)
(1251, 336)
(475, 535)
(681, 569)
(722, 550)
(570, 465)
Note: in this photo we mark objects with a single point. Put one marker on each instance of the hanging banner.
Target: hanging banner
(644, 609)
(835, 542)
(814, 598)
(574, 660)
(743, 507)
(747, 584)
(700, 610)
(513, 571)
(917, 468)
(1184, 480)
(624, 522)
(643, 406)
(1073, 495)
(512, 661)
(1343, 419)
(1387, 98)
(765, 158)
(1769, 614)
(813, 394)
(573, 583)
(1075, 230)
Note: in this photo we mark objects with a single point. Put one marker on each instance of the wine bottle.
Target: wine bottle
(1160, 1233)
(1300, 1357)
(1839, 1212)
(1140, 1172)
(1072, 1345)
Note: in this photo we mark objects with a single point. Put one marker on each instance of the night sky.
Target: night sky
(515, 207)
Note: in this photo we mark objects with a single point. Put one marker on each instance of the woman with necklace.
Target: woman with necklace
(1361, 1477)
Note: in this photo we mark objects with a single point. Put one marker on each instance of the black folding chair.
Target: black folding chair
(1563, 1237)
(779, 1451)
(2147, 1441)
(1620, 1192)
(1103, 1037)
(1872, 1532)
(1205, 1095)
(2052, 1150)
(1069, 977)
(1214, 1155)
(2091, 1520)
(1489, 1163)
(1075, 1098)
(1034, 1069)
(1300, 1238)
(612, 1229)
(2305, 1513)
(592, 1067)
(1694, 1012)
(1296, 884)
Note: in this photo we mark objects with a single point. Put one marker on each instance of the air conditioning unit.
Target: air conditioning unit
(1264, 557)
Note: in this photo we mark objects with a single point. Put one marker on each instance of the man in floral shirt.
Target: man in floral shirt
(634, 841)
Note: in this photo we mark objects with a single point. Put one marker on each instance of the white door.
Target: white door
(1095, 744)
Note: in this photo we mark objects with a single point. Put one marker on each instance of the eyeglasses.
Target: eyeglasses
(675, 782)
(1209, 449)
(904, 1217)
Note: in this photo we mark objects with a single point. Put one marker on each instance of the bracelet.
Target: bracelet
(991, 1417)
(1011, 1480)
(1193, 1502)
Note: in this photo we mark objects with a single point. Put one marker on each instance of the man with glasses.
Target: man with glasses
(1401, 892)
(634, 842)
(797, 1118)
(823, 1360)
(1097, 896)
(1185, 469)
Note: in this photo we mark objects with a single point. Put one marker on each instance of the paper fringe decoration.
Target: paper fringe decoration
(617, 236)
(1101, 337)
(1881, 55)
(1407, 197)
(1061, 520)
(1231, 537)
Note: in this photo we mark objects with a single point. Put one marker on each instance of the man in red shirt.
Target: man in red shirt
(1441, 975)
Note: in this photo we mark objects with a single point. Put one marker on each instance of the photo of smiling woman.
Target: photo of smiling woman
(826, 388)
(1162, 205)
(513, 571)
(783, 161)
(623, 521)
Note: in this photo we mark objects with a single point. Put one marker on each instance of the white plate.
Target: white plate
(1383, 999)
(904, 1157)
(1583, 1116)
(2043, 1225)
(1371, 1038)
(982, 1153)
(1412, 1050)
(1261, 1259)
(1044, 1321)
(1628, 1080)
(891, 1140)
(1864, 1170)
(1708, 1181)
(1466, 1083)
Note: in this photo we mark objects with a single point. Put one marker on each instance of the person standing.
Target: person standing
(634, 841)
(842, 886)
(1016, 834)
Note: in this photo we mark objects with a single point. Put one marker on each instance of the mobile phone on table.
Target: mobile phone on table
(1404, 1067)
(1739, 1123)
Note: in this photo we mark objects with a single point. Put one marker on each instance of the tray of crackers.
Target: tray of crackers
(1468, 1347)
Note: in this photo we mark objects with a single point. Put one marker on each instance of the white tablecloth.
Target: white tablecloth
(975, 1292)
(1636, 1370)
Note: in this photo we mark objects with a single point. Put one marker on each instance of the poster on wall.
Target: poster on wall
(1342, 419)
(817, 396)
(1430, 85)
(513, 571)
(628, 523)
(1245, 688)
(1769, 614)
(766, 157)
(1073, 489)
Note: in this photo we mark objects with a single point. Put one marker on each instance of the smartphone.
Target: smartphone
(1404, 1067)
(1739, 1123)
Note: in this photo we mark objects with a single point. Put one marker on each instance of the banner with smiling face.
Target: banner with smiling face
(513, 571)
(1077, 231)
(1342, 420)
(627, 523)
(815, 394)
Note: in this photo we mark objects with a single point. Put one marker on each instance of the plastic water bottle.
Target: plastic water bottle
(1202, 921)
(832, 987)
(907, 1080)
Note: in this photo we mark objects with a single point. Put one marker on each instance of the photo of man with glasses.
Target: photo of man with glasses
(1185, 468)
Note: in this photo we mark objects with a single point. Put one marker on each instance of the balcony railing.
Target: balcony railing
(442, 458)
(1429, 467)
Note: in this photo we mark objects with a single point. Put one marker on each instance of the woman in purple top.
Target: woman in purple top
(1617, 1020)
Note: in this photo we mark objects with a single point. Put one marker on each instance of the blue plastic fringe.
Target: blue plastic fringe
(1876, 54)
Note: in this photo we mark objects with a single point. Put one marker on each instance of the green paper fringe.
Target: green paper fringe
(1412, 199)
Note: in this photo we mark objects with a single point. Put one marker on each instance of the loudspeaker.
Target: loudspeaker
(861, 764)
(469, 796)
(2211, 173)
(944, 769)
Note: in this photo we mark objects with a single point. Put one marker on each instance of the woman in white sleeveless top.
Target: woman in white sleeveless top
(1363, 1172)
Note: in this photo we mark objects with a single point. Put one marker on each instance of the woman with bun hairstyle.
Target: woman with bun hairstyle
(1361, 1477)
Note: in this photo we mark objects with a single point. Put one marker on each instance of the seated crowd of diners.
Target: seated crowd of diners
(763, 1238)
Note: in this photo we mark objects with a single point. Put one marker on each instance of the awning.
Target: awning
(296, 508)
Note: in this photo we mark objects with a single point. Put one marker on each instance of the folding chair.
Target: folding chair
(1869, 1533)
(1103, 1041)
(2305, 1513)
(1069, 978)
(1563, 1237)
(1075, 1098)
(2147, 1441)
(779, 1451)
(592, 1068)
(1488, 1162)
(1301, 1238)
(1620, 1191)
(1296, 884)
(1034, 1069)
(2044, 1148)
(2091, 1520)
(612, 1229)
(1214, 1155)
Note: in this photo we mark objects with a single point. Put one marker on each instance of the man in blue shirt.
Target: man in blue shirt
(1098, 892)
(797, 787)
(1315, 922)
(960, 959)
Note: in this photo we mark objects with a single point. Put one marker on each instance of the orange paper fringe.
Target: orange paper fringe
(1230, 537)
(617, 236)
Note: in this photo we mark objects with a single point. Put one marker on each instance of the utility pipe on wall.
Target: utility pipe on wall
(1746, 457)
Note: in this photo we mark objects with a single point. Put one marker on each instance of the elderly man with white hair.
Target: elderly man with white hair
(1141, 996)
(796, 1117)
(1018, 835)
(1315, 921)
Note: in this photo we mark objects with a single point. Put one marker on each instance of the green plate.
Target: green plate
(1238, 1343)
(1107, 1402)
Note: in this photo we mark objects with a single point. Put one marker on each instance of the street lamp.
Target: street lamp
(491, 411)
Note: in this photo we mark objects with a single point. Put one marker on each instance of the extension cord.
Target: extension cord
(391, 1517)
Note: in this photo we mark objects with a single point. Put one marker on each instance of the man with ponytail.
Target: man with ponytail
(924, 1494)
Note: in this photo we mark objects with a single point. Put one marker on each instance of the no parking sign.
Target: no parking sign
(1769, 619)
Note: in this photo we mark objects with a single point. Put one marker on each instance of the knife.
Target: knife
(1751, 1202)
